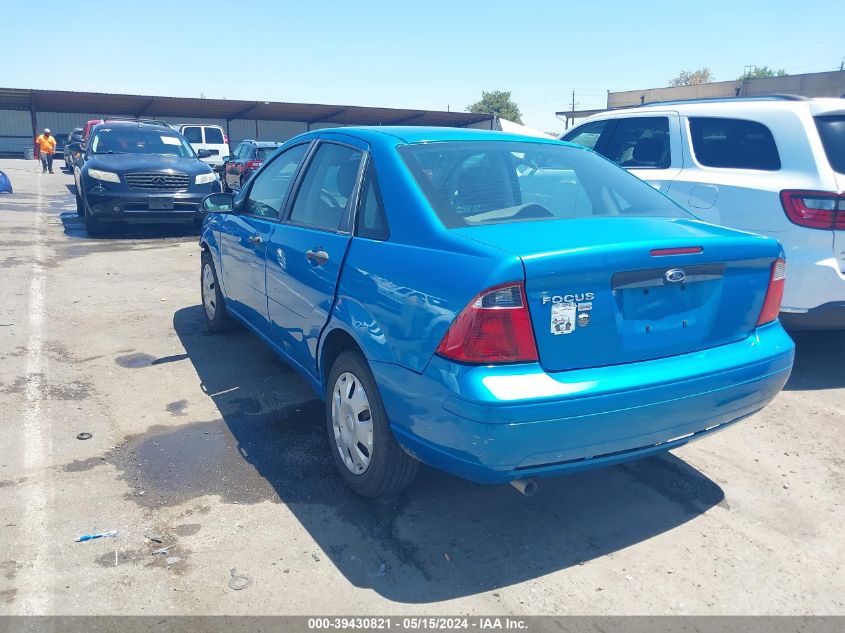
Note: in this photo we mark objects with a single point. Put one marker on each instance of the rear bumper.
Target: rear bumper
(496, 424)
(811, 283)
(829, 316)
(134, 206)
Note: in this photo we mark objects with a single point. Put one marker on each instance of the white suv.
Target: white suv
(769, 165)
(210, 137)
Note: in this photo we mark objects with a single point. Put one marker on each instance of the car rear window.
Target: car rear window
(832, 131)
(263, 153)
(733, 144)
(470, 183)
(214, 136)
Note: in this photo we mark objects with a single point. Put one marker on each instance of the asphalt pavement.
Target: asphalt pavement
(208, 455)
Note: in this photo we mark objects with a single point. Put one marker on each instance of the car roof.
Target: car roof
(738, 104)
(423, 134)
(138, 124)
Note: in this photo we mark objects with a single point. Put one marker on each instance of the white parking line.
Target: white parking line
(35, 579)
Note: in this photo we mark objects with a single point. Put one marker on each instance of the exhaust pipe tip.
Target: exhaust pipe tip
(526, 487)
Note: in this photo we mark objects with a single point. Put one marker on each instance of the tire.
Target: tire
(80, 207)
(92, 222)
(217, 317)
(389, 469)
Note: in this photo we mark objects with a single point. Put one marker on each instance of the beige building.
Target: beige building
(827, 84)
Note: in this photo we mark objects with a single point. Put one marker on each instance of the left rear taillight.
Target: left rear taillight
(774, 295)
(494, 328)
(815, 209)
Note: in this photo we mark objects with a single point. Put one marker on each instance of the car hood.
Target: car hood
(147, 162)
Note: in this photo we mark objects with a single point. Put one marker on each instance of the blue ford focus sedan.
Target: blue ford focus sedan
(496, 306)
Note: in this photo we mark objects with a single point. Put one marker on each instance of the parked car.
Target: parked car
(248, 156)
(89, 126)
(211, 138)
(772, 165)
(497, 306)
(134, 171)
(59, 151)
(73, 148)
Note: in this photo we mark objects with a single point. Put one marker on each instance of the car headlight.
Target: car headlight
(206, 178)
(106, 176)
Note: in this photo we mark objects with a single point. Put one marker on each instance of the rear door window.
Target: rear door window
(588, 134)
(327, 187)
(214, 136)
(640, 142)
(193, 134)
(832, 132)
(733, 144)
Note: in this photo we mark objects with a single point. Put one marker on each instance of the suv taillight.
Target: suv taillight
(494, 328)
(225, 140)
(815, 209)
(774, 295)
(253, 164)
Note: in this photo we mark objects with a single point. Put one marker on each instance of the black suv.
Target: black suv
(245, 161)
(140, 171)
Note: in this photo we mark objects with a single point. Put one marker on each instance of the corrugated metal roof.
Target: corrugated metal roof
(140, 105)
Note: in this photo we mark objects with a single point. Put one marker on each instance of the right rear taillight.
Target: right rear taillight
(774, 295)
(253, 164)
(494, 328)
(814, 209)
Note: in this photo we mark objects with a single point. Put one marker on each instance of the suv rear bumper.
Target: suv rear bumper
(813, 285)
(496, 424)
(828, 316)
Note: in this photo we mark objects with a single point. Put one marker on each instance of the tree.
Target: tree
(761, 72)
(692, 78)
(497, 102)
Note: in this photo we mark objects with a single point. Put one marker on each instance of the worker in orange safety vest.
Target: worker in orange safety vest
(46, 148)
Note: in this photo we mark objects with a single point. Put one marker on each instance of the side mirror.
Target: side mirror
(203, 153)
(218, 203)
(226, 159)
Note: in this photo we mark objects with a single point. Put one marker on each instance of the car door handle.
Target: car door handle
(255, 239)
(318, 257)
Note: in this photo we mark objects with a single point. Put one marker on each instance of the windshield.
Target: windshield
(832, 131)
(495, 182)
(125, 140)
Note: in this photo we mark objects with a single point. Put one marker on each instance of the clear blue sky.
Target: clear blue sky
(429, 54)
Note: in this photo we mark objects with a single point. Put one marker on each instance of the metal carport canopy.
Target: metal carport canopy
(140, 105)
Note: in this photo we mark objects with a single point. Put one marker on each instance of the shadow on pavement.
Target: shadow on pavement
(819, 360)
(444, 537)
(74, 226)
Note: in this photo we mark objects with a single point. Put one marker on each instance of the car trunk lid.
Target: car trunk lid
(606, 291)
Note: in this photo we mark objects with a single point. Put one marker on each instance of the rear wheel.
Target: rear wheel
(216, 315)
(80, 207)
(364, 450)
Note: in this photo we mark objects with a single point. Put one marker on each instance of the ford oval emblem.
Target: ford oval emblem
(675, 276)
